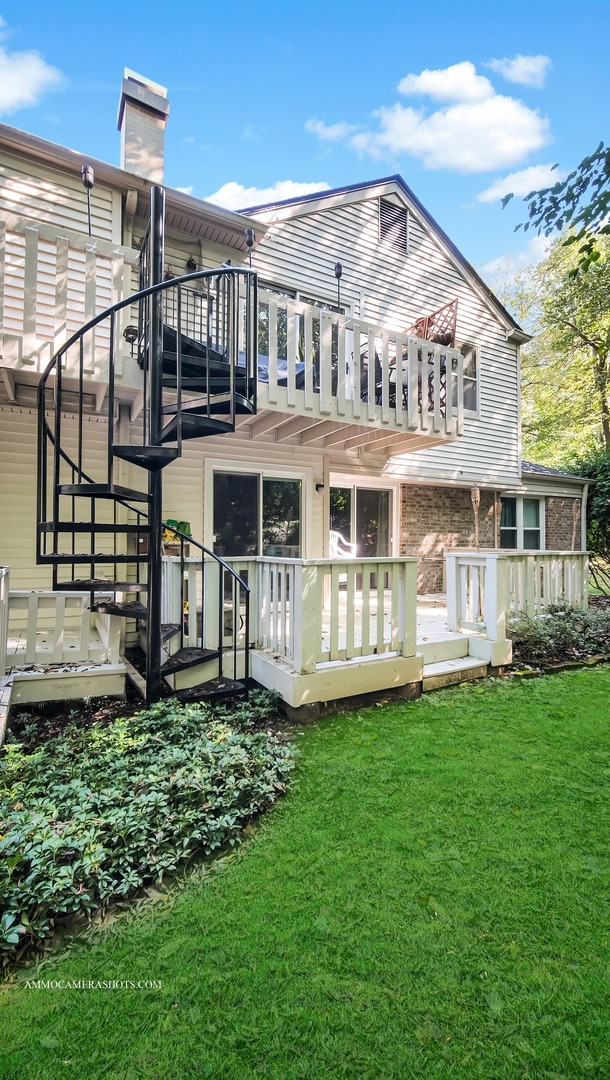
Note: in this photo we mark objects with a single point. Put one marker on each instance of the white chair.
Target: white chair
(340, 548)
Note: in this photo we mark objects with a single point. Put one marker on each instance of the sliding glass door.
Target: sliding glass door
(363, 516)
(256, 514)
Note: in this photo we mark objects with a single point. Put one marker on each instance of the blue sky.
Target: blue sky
(455, 97)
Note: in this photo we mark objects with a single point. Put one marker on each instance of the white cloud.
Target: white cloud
(522, 182)
(525, 70)
(504, 269)
(234, 196)
(329, 132)
(467, 137)
(186, 190)
(476, 130)
(459, 82)
(24, 78)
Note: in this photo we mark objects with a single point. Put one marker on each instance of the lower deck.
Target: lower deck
(319, 630)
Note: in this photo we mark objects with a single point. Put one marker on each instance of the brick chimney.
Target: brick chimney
(143, 113)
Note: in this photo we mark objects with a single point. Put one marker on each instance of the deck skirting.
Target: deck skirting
(333, 681)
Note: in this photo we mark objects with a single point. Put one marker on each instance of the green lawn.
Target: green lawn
(430, 900)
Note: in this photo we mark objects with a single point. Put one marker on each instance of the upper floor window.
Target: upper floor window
(393, 225)
(521, 523)
(470, 377)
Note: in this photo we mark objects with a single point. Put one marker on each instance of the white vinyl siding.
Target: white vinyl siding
(43, 194)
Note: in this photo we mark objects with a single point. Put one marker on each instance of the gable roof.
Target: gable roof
(389, 185)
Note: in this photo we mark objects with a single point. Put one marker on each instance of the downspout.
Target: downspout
(583, 518)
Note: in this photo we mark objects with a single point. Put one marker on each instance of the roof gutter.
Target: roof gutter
(71, 160)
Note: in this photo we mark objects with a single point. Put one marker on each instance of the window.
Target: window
(257, 515)
(471, 377)
(393, 225)
(469, 352)
(521, 523)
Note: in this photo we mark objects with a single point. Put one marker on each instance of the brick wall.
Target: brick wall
(434, 518)
(559, 524)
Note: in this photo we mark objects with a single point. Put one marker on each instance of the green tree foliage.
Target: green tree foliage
(596, 466)
(578, 206)
(566, 366)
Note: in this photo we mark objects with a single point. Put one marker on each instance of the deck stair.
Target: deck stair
(455, 670)
(446, 654)
(196, 349)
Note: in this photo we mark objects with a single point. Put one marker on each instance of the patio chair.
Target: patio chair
(340, 548)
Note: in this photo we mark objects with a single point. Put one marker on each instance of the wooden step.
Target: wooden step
(443, 646)
(168, 631)
(450, 672)
(211, 690)
(187, 658)
(152, 458)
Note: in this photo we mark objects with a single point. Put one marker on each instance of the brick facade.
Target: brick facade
(434, 518)
(561, 532)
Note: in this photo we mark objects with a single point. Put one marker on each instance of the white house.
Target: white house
(342, 437)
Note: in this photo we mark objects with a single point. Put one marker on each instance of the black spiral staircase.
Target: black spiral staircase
(196, 344)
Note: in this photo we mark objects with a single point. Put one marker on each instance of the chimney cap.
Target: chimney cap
(145, 92)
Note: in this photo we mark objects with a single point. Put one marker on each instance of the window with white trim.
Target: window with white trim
(521, 523)
(470, 379)
(257, 514)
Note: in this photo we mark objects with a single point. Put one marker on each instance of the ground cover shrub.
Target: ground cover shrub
(93, 814)
(563, 634)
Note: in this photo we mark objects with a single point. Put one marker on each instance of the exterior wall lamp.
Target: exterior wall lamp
(88, 179)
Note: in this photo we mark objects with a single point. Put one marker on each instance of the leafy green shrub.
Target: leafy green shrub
(96, 813)
(563, 634)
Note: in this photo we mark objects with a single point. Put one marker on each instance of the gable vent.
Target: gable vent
(393, 225)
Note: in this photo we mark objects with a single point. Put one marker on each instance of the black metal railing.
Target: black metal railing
(230, 600)
(89, 525)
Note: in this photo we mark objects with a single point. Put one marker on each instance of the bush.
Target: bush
(95, 814)
(563, 634)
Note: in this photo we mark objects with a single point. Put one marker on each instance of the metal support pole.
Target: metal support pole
(155, 484)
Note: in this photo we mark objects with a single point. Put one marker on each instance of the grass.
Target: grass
(430, 900)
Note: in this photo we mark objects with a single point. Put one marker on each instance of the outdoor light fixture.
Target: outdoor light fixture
(191, 265)
(319, 488)
(130, 333)
(249, 235)
(338, 275)
(88, 178)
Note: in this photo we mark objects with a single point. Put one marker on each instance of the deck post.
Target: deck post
(409, 600)
(4, 594)
(307, 630)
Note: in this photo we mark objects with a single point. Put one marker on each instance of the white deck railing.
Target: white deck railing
(484, 587)
(329, 366)
(4, 594)
(52, 281)
(313, 611)
(305, 611)
(59, 628)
